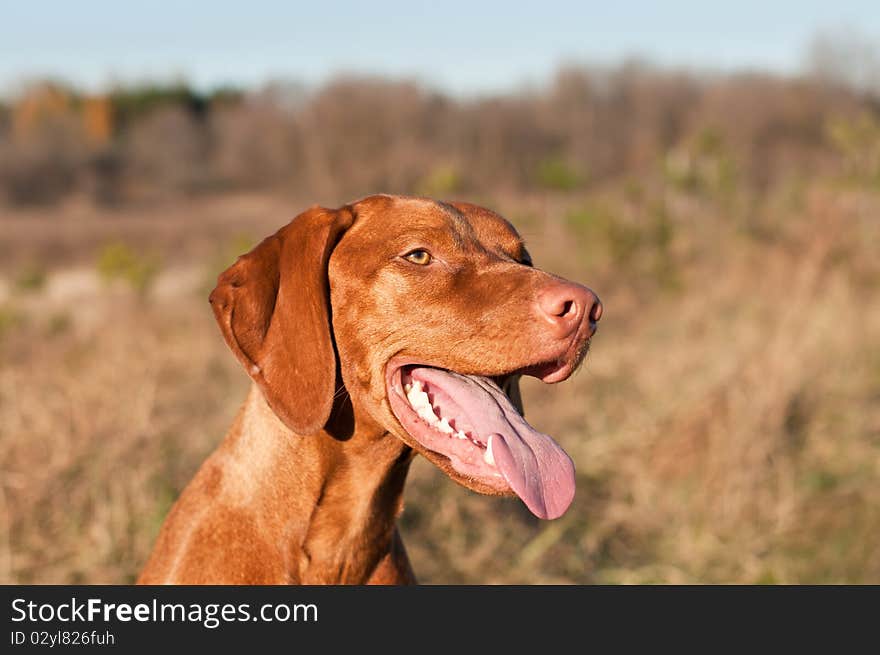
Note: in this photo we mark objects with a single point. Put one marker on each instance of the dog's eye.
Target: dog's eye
(420, 257)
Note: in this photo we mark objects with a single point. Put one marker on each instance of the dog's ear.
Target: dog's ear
(511, 388)
(273, 307)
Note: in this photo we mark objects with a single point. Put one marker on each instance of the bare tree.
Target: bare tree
(846, 56)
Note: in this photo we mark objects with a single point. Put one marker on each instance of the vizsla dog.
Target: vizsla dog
(388, 327)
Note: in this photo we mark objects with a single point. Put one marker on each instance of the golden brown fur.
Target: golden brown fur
(308, 483)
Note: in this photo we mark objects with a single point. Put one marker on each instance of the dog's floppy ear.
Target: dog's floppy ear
(273, 307)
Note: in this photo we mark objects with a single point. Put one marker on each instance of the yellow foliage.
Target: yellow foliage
(42, 104)
(98, 119)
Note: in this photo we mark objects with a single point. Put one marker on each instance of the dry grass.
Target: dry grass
(726, 427)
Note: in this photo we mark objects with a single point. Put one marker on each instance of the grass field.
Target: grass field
(726, 426)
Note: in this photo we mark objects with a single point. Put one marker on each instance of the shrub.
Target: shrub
(118, 261)
(556, 174)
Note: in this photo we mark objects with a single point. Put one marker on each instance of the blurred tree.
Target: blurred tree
(358, 135)
(39, 106)
(848, 57)
(41, 160)
(98, 119)
(166, 153)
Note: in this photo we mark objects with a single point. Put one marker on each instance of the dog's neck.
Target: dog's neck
(329, 499)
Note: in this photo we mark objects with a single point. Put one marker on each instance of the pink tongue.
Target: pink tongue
(534, 465)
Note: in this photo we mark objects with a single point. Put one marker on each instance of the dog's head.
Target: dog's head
(431, 312)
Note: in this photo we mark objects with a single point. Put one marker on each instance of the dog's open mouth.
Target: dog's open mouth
(471, 422)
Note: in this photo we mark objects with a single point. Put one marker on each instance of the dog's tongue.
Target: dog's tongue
(535, 467)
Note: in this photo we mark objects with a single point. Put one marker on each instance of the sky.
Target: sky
(461, 47)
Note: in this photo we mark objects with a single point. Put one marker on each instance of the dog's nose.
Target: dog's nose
(565, 306)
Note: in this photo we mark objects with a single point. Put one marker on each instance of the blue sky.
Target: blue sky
(464, 47)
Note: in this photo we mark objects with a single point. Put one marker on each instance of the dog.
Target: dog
(390, 327)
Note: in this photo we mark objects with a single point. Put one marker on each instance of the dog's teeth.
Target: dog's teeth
(416, 397)
(443, 426)
(488, 457)
(427, 414)
(460, 435)
(407, 387)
